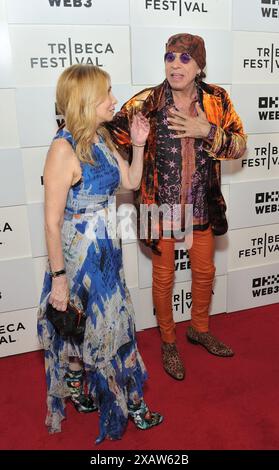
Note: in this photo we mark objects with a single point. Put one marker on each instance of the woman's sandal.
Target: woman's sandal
(82, 402)
(143, 417)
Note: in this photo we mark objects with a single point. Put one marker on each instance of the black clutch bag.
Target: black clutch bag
(68, 324)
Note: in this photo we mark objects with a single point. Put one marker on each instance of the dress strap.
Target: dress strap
(65, 134)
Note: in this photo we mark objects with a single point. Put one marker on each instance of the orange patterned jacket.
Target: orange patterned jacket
(229, 143)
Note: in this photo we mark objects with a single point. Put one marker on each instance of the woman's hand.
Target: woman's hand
(139, 129)
(59, 296)
(131, 174)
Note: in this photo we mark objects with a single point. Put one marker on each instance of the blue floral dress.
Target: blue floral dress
(93, 262)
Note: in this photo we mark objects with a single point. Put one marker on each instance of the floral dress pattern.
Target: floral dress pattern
(93, 261)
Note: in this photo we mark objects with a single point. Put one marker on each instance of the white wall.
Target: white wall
(38, 39)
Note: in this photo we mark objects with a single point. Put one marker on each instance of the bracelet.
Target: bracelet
(135, 145)
(57, 273)
(212, 131)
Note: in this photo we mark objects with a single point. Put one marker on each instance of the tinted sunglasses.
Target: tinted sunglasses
(170, 57)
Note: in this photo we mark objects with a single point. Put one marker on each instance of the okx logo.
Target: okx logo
(267, 202)
(268, 108)
(265, 285)
(270, 8)
(182, 261)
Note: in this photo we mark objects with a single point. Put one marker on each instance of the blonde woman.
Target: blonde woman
(82, 171)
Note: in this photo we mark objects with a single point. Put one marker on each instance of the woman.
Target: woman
(82, 171)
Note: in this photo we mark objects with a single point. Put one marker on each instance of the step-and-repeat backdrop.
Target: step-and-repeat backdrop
(38, 39)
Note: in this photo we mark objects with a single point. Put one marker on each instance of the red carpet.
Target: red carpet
(223, 403)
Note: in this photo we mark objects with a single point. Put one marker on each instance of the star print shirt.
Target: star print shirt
(182, 173)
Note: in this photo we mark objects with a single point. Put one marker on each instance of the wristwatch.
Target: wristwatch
(57, 273)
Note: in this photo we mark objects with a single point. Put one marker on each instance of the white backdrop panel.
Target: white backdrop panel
(254, 203)
(258, 106)
(130, 261)
(255, 57)
(253, 287)
(39, 266)
(17, 285)
(36, 116)
(213, 14)
(6, 67)
(44, 51)
(14, 233)
(12, 188)
(261, 161)
(18, 332)
(68, 11)
(36, 226)
(255, 15)
(33, 165)
(152, 41)
(253, 246)
(8, 120)
(3, 13)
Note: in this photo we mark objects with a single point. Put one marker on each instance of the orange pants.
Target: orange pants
(203, 270)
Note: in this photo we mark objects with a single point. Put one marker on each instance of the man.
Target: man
(193, 127)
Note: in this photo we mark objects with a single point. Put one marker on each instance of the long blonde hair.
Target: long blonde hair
(79, 90)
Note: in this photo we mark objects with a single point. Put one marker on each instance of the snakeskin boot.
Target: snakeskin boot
(82, 402)
(143, 417)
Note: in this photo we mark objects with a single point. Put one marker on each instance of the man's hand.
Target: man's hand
(197, 127)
